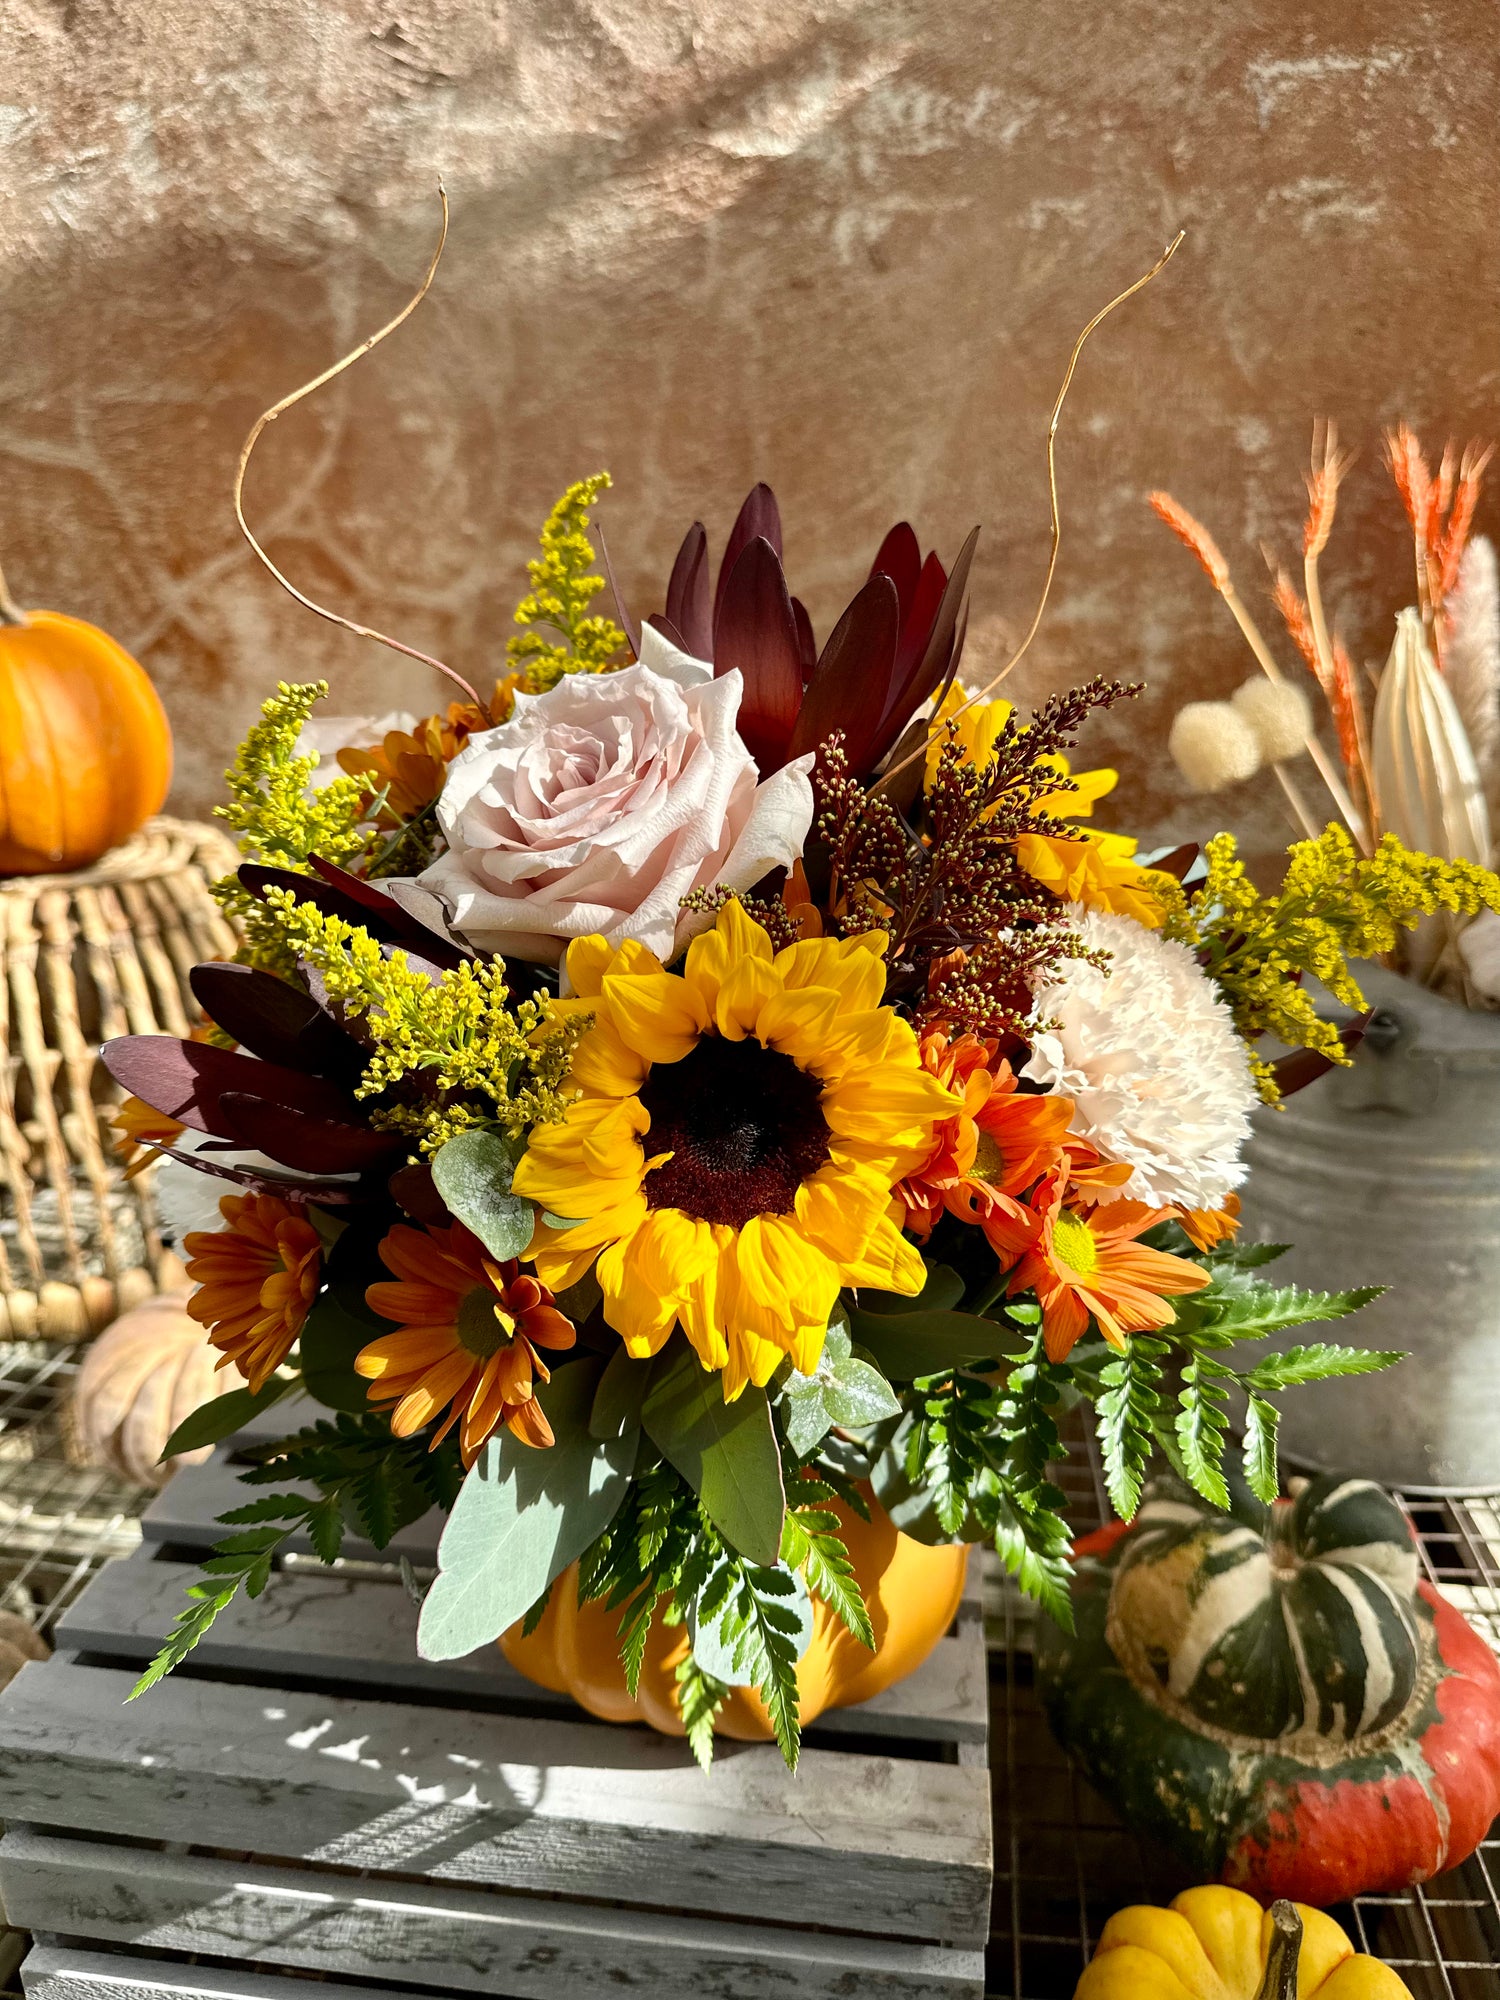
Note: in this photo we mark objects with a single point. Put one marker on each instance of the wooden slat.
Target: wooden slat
(329, 1626)
(864, 1843)
(61, 1972)
(451, 1939)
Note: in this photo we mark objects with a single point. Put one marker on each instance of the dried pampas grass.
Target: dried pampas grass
(1471, 661)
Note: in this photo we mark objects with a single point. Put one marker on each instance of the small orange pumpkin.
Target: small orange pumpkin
(85, 746)
(148, 1370)
(912, 1592)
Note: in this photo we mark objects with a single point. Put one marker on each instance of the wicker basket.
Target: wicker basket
(84, 957)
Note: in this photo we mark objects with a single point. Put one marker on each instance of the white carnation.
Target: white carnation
(1148, 1052)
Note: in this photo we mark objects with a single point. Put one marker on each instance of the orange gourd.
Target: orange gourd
(148, 1370)
(85, 746)
(912, 1592)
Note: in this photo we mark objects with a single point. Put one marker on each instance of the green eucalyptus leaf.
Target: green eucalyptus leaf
(859, 1394)
(472, 1173)
(727, 1452)
(222, 1416)
(616, 1411)
(521, 1517)
(943, 1289)
(907, 1346)
(805, 1418)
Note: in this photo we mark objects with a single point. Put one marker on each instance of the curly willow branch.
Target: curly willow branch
(1067, 382)
(277, 409)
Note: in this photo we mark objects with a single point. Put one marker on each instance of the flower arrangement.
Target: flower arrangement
(721, 1092)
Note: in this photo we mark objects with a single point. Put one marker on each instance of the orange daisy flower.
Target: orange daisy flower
(256, 1281)
(1086, 1264)
(141, 1130)
(1206, 1228)
(411, 765)
(999, 1143)
(468, 1333)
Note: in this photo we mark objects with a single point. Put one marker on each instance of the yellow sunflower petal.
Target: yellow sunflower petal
(784, 1272)
(746, 987)
(588, 959)
(888, 1261)
(710, 1304)
(656, 1013)
(751, 1358)
(604, 1061)
(711, 956)
(800, 1023)
(854, 968)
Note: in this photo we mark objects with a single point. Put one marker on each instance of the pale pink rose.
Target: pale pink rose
(601, 803)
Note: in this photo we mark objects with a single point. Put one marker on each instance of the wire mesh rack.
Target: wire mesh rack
(1064, 1860)
(59, 1520)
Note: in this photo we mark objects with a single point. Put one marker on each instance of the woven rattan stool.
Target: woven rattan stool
(84, 957)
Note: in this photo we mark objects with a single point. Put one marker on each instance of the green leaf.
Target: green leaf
(727, 1452)
(472, 1173)
(617, 1401)
(1239, 1307)
(1131, 1400)
(522, 1516)
(817, 1548)
(1261, 1419)
(1202, 1422)
(909, 1346)
(943, 1288)
(699, 1699)
(223, 1415)
(859, 1395)
(325, 1529)
(1317, 1363)
(240, 1562)
(715, 1637)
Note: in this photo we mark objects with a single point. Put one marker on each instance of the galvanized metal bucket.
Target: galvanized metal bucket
(1389, 1173)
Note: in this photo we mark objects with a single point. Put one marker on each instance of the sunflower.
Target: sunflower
(1097, 870)
(1086, 1263)
(256, 1281)
(734, 1151)
(999, 1143)
(468, 1333)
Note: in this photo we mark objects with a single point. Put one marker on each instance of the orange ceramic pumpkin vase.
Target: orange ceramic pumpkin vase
(912, 1592)
(85, 746)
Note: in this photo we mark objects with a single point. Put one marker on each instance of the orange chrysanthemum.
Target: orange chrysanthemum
(1000, 1142)
(1206, 1228)
(141, 1130)
(256, 1281)
(410, 766)
(468, 1333)
(1085, 1264)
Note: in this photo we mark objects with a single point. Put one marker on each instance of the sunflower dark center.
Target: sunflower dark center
(743, 1125)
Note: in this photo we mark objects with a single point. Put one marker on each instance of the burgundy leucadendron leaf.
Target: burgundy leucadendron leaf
(299, 1139)
(266, 1180)
(275, 1020)
(919, 615)
(807, 645)
(757, 633)
(900, 558)
(923, 679)
(339, 894)
(688, 602)
(852, 675)
(186, 1080)
(758, 517)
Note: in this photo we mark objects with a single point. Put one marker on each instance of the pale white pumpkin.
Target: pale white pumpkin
(148, 1370)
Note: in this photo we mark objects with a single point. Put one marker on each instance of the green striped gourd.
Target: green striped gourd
(1277, 1693)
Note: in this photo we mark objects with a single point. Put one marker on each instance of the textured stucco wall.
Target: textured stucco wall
(843, 246)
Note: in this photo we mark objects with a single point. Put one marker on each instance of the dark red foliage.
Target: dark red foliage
(897, 644)
(276, 1021)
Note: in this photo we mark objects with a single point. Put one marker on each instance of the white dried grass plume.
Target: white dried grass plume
(1213, 745)
(1426, 779)
(1471, 662)
(1479, 948)
(1279, 713)
(1148, 1053)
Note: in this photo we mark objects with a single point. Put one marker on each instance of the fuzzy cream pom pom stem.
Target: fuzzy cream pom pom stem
(1213, 745)
(1280, 715)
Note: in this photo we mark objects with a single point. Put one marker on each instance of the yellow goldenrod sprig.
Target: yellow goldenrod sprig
(563, 587)
(1334, 905)
(476, 1054)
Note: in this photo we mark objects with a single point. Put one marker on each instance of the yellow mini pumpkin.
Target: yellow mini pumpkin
(1219, 1944)
(85, 746)
(912, 1592)
(148, 1370)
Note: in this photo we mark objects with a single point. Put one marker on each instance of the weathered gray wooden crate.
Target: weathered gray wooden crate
(305, 1795)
